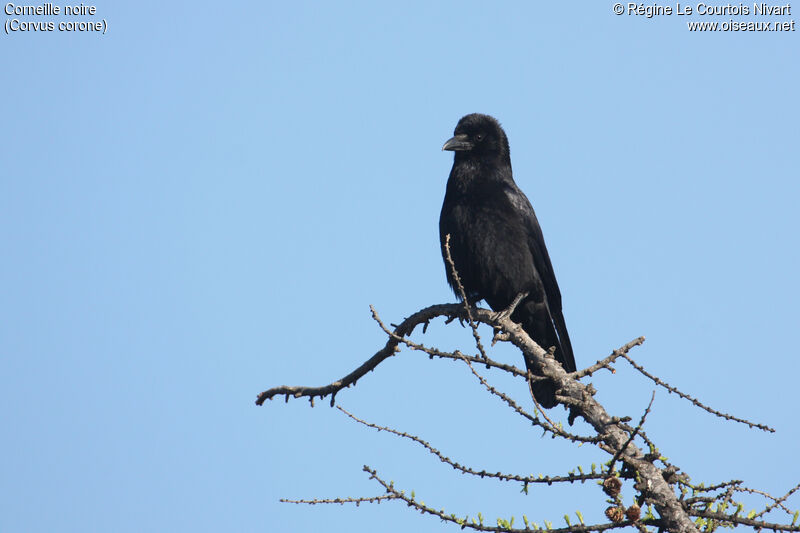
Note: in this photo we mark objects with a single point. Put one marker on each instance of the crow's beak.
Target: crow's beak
(458, 143)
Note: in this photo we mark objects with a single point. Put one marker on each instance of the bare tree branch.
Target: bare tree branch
(464, 299)
(633, 433)
(743, 520)
(548, 480)
(656, 486)
(479, 526)
(778, 501)
(695, 401)
(342, 501)
(606, 363)
(405, 328)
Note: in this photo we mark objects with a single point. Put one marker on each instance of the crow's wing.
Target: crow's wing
(544, 267)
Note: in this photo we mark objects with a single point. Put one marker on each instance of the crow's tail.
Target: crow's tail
(547, 331)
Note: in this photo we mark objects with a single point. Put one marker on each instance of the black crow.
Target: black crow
(496, 242)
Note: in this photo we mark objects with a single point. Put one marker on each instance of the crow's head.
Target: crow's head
(478, 136)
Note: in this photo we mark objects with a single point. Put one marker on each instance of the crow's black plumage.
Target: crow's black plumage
(496, 242)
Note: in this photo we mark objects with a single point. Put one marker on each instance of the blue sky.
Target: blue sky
(203, 202)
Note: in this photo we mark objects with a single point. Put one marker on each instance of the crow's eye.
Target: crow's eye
(479, 137)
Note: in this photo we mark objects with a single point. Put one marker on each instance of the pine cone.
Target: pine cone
(633, 513)
(616, 514)
(611, 486)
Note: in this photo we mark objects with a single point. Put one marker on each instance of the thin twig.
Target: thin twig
(743, 520)
(456, 356)
(357, 501)
(633, 433)
(406, 327)
(478, 526)
(713, 488)
(549, 480)
(553, 428)
(766, 495)
(463, 295)
(695, 401)
(778, 501)
(549, 426)
(605, 363)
